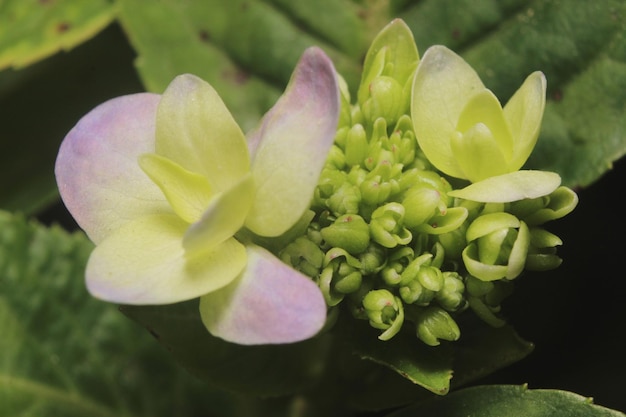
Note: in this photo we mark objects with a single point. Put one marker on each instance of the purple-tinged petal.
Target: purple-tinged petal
(97, 173)
(269, 303)
(290, 147)
(144, 262)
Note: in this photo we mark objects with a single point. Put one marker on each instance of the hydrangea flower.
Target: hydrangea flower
(465, 132)
(173, 195)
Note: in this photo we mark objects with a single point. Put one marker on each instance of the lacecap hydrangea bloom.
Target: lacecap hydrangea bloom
(173, 195)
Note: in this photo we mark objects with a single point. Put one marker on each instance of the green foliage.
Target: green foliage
(510, 401)
(32, 30)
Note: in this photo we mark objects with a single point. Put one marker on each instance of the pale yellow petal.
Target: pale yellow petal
(195, 129)
(223, 217)
(524, 113)
(510, 187)
(187, 192)
(144, 262)
(443, 84)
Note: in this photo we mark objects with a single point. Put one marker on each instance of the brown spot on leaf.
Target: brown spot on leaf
(238, 76)
(62, 27)
(204, 35)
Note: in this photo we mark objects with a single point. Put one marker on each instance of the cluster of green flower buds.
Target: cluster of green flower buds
(388, 242)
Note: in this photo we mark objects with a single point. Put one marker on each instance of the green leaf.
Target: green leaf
(480, 351)
(483, 350)
(31, 30)
(65, 353)
(245, 49)
(510, 401)
(429, 367)
(266, 370)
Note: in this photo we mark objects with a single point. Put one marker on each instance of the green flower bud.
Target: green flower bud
(384, 312)
(542, 252)
(331, 180)
(336, 157)
(345, 200)
(341, 136)
(303, 255)
(433, 324)
(398, 260)
(386, 226)
(412, 269)
(431, 278)
(444, 222)
(421, 202)
(413, 292)
(373, 260)
(402, 145)
(375, 191)
(417, 177)
(341, 275)
(485, 298)
(451, 297)
(498, 245)
(558, 204)
(345, 118)
(386, 100)
(349, 232)
(313, 233)
(356, 147)
(477, 287)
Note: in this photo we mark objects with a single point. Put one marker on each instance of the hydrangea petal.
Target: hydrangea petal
(144, 262)
(510, 187)
(485, 108)
(196, 130)
(523, 113)
(442, 82)
(291, 145)
(187, 192)
(223, 217)
(269, 303)
(96, 169)
(477, 154)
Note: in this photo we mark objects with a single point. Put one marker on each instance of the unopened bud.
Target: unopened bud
(356, 147)
(349, 232)
(384, 311)
(434, 323)
(385, 100)
(498, 245)
(387, 226)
